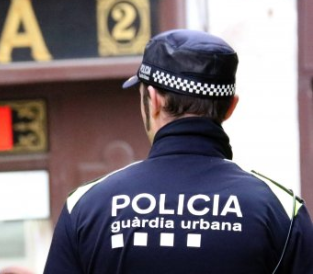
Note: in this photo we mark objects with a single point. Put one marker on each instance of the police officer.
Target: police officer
(187, 208)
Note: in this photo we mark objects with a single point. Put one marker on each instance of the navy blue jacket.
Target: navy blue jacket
(186, 209)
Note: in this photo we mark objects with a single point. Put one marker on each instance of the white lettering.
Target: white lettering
(168, 224)
(162, 223)
(143, 223)
(197, 205)
(226, 226)
(215, 225)
(126, 224)
(180, 207)
(190, 205)
(204, 224)
(232, 200)
(185, 224)
(216, 201)
(115, 227)
(145, 196)
(136, 222)
(162, 206)
(237, 227)
(115, 205)
(145, 69)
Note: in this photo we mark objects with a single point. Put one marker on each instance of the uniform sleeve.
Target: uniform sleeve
(63, 256)
(299, 256)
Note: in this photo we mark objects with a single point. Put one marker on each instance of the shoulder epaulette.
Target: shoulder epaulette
(288, 199)
(75, 195)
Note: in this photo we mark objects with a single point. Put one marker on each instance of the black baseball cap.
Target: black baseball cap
(188, 62)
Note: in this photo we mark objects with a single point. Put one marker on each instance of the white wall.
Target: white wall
(264, 128)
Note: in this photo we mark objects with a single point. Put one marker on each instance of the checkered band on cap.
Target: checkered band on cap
(192, 87)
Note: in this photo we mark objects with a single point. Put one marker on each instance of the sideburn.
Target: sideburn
(145, 98)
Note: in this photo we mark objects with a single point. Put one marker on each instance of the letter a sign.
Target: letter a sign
(21, 13)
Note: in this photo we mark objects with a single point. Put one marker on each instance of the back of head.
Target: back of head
(195, 70)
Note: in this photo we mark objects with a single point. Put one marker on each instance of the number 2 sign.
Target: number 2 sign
(123, 26)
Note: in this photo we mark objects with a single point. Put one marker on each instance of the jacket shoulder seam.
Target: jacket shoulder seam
(77, 194)
(290, 202)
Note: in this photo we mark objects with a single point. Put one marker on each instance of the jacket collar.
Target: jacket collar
(192, 135)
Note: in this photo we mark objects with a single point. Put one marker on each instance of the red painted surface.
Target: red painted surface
(6, 130)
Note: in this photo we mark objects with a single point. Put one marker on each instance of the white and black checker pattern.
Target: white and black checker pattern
(189, 86)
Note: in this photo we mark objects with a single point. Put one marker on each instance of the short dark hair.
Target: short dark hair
(177, 105)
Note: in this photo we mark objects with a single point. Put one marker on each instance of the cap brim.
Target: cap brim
(131, 82)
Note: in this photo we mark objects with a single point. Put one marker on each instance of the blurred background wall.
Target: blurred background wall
(264, 129)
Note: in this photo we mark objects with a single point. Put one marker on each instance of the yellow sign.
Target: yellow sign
(21, 13)
(51, 30)
(123, 26)
(27, 123)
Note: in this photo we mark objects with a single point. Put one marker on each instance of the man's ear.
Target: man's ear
(232, 107)
(156, 102)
